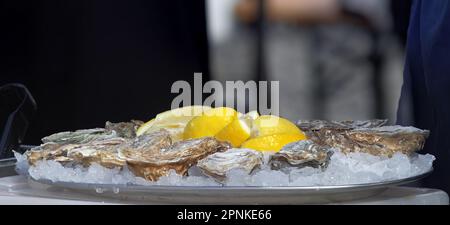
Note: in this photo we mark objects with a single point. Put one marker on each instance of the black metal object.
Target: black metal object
(17, 106)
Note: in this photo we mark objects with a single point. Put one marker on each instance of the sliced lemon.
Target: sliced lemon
(251, 115)
(144, 127)
(209, 123)
(174, 121)
(272, 142)
(268, 125)
(181, 115)
(236, 132)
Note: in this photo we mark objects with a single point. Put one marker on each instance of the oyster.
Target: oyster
(218, 164)
(45, 151)
(369, 137)
(156, 162)
(111, 130)
(314, 125)
(124, 129)
(95, 151)
(382, 140)
(80, 136)
(147, 143)
(103, 152)
(301, 154)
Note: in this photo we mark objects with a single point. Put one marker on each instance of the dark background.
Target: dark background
(86, 62)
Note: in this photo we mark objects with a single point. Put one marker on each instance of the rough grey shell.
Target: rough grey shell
(46, 151)
(179, 156)
(111, 130)
(103, 152)
(124, 129)
(79, 136)
(312, 125)
(301, 154)
(218, 164)
(86, 147)
(365, 136)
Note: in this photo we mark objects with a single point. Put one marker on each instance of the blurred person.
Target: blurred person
(424, 95)
(424, 101)
(322, 52)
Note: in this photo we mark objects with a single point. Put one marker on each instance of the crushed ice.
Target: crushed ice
(353, 168)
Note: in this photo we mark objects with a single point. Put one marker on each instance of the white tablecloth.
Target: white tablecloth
(17, 190)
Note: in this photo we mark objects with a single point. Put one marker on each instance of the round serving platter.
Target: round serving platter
(232, 194)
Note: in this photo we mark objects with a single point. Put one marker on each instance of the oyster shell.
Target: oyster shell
(111, 130)
(154, 163)
(218, 164)
(124, 129)
(80, 136)
(85, 154)
(98, 145)
(103, 152)
(369, 137)
(313, 125)
(45, 151)
(301, 154)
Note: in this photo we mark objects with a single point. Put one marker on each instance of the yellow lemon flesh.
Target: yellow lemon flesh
(268, 125)
(181, 115)
(144, 127)
(239, 130)
(253, 115)
(236, 132)
(272, 142)
(209, 123)
(173, 121)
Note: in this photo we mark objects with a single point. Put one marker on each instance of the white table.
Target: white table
(17, 190)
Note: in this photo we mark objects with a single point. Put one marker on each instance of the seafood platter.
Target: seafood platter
(199, 154)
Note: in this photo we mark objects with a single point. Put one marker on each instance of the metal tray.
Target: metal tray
(231, 194)
(7, 167)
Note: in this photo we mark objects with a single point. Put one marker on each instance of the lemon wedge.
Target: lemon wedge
(209, 123)
(144, 127)
(253, 115)
(269, 125)
(181, 115)
(174, 121)
(272, 142)
(236, 132)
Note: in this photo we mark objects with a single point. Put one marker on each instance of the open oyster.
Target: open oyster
(124, 129)
(80, 136)
(314, 125)
(148, 142)
(218, 164)
(47, 151)
(365, 136)
(180, 157)
(301, 154)
(103, 152)
(111, 130)
(96, 145)
(95, 151)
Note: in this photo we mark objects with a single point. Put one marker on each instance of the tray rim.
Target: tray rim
(190, 188)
